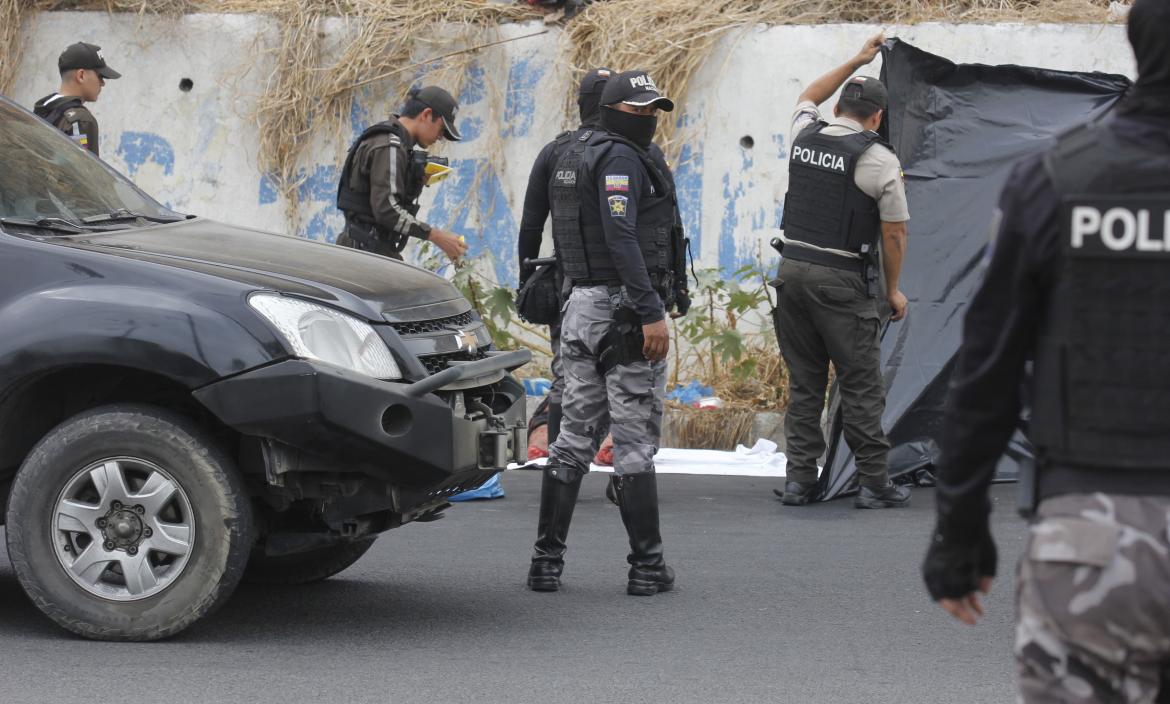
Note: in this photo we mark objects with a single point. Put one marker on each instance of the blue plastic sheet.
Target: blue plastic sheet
(491, 489)
(690, 393)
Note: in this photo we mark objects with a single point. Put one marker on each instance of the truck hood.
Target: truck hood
(375, 287)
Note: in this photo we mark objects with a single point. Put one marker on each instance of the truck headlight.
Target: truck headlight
(327, 335)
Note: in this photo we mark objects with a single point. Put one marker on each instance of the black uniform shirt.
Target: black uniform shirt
(1000, 332)
(610, 201)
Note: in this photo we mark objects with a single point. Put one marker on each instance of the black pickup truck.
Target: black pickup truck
(185, 403)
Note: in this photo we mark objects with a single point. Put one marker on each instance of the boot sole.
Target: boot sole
(879, 503)
(642, 588)
(544, 584)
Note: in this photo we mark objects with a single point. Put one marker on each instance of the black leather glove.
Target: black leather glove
(953, 569)
(682, 301)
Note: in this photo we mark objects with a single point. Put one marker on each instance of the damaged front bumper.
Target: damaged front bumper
(446, 430)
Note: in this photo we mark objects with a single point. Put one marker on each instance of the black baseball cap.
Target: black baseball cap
(594, 81)
(88, 56)
(635, 88)
(442, 104)
(867, 90)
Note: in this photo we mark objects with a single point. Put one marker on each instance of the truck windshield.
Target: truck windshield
(43, 174)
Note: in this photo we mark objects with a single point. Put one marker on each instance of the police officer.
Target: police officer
(83, 75)
(535, 213)
(845, 199)
(384, 175)
(613, 226)
(536, 210)
(1077, 280)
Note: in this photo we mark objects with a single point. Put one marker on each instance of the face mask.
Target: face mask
(589, 105)
(639, 129)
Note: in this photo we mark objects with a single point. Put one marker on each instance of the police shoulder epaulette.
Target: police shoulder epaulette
(585, 136)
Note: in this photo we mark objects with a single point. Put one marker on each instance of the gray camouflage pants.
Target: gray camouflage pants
(1094, 600)
(630, 397)
(557, 390)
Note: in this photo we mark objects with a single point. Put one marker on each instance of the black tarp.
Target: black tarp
(957, 129)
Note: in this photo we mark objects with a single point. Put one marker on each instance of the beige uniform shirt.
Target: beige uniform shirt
(878, 173)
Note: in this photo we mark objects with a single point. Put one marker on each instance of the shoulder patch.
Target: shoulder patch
(617, 206)
(617, 182)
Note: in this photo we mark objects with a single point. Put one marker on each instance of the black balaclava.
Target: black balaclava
(589, 96)
(639, 129)
(1149, 33)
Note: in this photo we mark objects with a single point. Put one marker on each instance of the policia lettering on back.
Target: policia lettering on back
(1132, 225)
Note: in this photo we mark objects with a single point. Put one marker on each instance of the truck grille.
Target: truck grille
(436, 363)
(422, 327)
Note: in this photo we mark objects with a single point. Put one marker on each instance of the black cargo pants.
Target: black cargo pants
(825, 314)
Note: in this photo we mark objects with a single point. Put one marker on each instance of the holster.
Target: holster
(364, 233)
(622, 343)
(869, 270)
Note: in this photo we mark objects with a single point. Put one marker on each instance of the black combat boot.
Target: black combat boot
(638, 500)
(557, 500)
(889, 496)
(796, 493)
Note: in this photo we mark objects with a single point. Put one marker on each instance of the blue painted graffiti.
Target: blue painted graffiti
(520, 99)
(474, 86)
(138, 148)
(454, 205)
(688, 181)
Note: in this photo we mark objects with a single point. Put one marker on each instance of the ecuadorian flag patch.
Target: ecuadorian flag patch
(617, 182)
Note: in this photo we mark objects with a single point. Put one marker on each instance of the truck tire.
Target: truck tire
(305, 567)
(128, 522)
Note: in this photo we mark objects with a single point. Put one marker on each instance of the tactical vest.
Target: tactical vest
(54, 114)
(354, 199)
(581, 249)
(1102, 368)
(824, 207)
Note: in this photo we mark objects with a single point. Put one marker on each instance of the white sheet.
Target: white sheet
(762, 460)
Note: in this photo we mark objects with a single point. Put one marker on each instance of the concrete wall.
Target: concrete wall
(196, 150)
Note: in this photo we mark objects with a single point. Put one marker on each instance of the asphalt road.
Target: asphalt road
(813, 604)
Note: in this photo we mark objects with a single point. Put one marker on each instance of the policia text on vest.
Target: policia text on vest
(1128, 226)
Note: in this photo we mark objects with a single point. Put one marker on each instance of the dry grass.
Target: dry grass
(311, 86)
(673, 38)
(711, 428)
(12, 14)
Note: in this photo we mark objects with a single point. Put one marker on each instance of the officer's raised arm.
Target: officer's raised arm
(824, 87)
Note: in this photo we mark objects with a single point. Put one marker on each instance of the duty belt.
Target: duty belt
(797, 253)
(659, 282)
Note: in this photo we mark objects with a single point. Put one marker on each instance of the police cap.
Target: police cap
(867, 90)
(635, 88)
(87, 56)
(442, 104)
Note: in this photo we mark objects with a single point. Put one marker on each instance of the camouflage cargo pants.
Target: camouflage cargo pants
(1093, 622)
(557, 390)
(629, 398)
